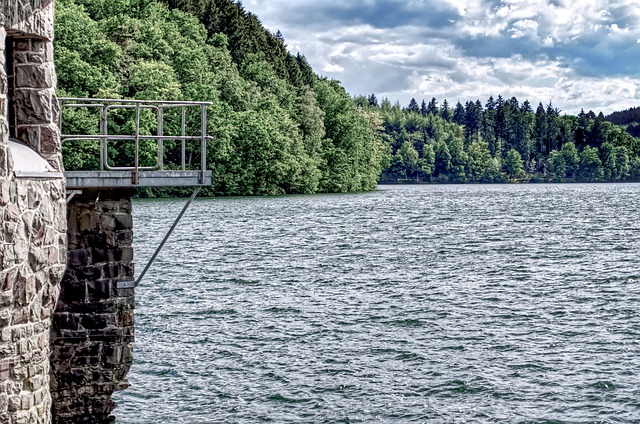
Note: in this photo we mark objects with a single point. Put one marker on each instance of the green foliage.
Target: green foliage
(513, 165)
(428, 161)
(277, 128)
(591, 165)
(505, 141)
(556, 166)
(571, 158)
(409, 159)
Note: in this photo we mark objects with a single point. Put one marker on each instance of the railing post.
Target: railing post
(161, 133)
(184, 142)
(203, 143)
(103, 139)
(136, 175)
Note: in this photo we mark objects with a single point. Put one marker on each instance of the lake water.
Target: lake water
(410, 304)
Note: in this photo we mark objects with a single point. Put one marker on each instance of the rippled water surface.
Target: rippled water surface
(411, 304)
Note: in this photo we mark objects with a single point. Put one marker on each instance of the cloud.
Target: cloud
(377, 13)
(576, 55)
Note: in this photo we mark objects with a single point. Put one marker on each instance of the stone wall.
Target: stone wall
(32, 17)
(32, 213)
(65, 347)
(33, 261)
(93, 322)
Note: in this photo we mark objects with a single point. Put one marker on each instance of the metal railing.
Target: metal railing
(165, 113)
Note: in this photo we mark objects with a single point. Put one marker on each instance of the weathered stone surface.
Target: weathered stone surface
(93, 326)
(49, 140)
(33, 107)
(35, 75)
(28, 279)
(32, 214)
(84, 324)
(33, 17)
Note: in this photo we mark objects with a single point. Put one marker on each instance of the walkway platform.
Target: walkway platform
(147, 130)
(77, 180)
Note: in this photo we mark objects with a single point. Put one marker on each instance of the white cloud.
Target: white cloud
(578, 55)
(525, 28)
(332, 68)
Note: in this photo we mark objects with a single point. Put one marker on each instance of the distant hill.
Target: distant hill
(629, 117)
(624, 117)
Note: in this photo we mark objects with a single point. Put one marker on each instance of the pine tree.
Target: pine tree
(458, 114)
(373, 100)
(445, 112)
(413, 106)
(432, 108)
(489, 127)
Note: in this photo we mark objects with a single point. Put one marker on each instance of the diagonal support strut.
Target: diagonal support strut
(132, 284)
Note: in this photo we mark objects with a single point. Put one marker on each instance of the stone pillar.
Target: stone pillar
(93, 322)
(32, 236)
(4, 123)
(32, 262)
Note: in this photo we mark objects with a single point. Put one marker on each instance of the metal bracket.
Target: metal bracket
(72, 194)
(125, 284)
(166, 237)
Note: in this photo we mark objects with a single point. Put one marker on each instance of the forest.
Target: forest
(279, 128)
(504, 141)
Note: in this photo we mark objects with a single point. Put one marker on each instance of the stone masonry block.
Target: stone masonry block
(35, 76)
(79, 257)
(99, 289)
(29, 135)
(124, 221)
(87, 221)
(34, 107)
(22, 45)
(49, 140)
(28, 401)
(34, 58)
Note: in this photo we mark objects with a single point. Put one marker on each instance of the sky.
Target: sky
(575, 54)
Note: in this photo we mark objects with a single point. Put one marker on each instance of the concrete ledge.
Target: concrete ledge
(104, 179)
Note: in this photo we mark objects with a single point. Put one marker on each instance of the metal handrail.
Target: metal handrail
(104, 106)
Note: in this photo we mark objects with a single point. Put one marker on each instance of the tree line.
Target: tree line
(501, 141)
(277, 126)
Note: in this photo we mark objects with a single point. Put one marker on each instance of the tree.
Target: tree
(458, 158)
(442, 158)
(472, 121)
(571, 158)
(541, 132)
(432, 108)
(413, 106)
(409, 158)
(445, 111)
(428, 161)
(556, 166)
(459, 114)
(480, 162)
(590, 165)
(489, 127)
(513, 165)
(373, 100)
(423, 108)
